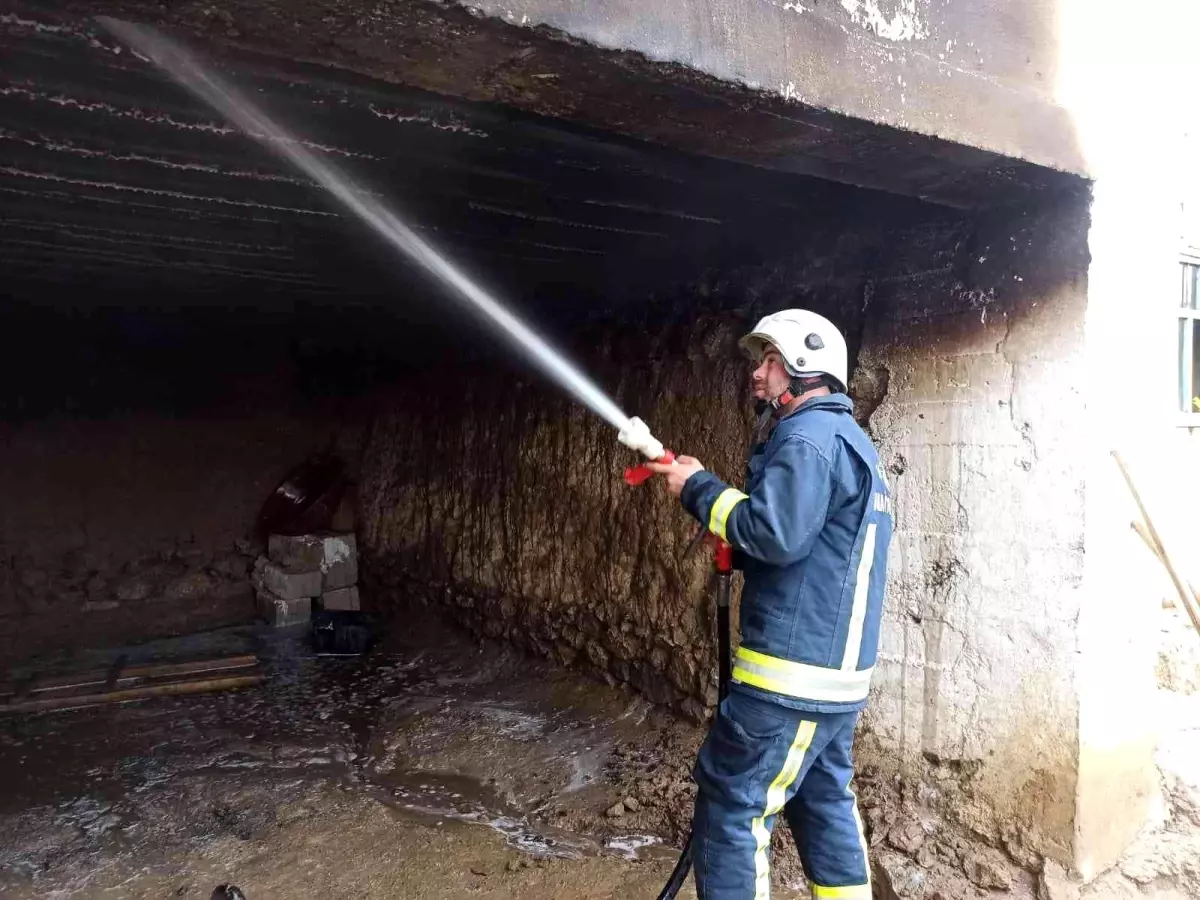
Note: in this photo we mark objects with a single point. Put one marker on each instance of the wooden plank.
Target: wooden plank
(130, 674)
(194, 686)
(1168, 603)
(110, 682)
(25, 688)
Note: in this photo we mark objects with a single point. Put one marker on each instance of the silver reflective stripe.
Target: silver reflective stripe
(858, 612)
(800, 680)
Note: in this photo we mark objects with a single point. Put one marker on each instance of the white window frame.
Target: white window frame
(1187, 350)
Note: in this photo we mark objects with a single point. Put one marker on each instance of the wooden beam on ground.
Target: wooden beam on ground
(174, 688)
(127, 676)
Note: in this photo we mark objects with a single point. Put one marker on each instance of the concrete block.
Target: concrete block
(299, 553)
(288, 585)
(343, 598)
(339, 561)
(280, 612)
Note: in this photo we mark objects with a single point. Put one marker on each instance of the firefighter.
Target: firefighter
(811, 533)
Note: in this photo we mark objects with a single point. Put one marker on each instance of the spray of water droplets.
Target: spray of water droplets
(184, 68)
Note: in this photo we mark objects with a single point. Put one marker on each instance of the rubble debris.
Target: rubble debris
(907, 837)
(988, 869)
(1178, 667)
(1054, 883)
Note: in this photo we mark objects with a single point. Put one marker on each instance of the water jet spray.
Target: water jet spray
(187, 71)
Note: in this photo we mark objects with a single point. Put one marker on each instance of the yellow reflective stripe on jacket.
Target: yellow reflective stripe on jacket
(853, 892)
(801, 680)
(719, 515)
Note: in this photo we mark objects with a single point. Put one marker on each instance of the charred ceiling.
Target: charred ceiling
(114, 178)
(111, 173)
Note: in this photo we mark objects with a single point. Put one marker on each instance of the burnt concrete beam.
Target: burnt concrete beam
(112, 175)
(974, 73)
(937, 106)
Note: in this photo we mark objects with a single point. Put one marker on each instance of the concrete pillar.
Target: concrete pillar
(976, 688)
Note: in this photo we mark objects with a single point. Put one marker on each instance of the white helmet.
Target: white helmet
(810, 344)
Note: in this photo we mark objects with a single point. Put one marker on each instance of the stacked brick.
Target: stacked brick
(303, 572)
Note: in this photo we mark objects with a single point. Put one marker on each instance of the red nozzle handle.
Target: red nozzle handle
(722, 556)
(641, 474)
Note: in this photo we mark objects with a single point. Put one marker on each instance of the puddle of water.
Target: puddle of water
(629, 846)
(585, 770)
(512, 723)
(544, 840)
(436, 797)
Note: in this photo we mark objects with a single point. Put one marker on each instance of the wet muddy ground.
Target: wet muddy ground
(435, 767)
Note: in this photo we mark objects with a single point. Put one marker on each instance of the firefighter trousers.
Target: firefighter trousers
(760, 759)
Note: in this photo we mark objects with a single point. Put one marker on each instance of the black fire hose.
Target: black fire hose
(722, 562)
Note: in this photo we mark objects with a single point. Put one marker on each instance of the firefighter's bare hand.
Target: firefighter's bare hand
(677, 472)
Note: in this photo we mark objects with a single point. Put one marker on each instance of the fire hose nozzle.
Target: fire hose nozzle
(637, 437)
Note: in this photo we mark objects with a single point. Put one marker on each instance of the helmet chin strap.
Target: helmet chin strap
(767, 410)
(797, 387)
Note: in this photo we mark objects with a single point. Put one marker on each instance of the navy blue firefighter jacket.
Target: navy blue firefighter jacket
(811, 532)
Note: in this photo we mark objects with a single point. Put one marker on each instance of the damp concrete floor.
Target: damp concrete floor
(435, 767)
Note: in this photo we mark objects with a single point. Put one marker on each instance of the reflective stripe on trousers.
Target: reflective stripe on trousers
(761, 759)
